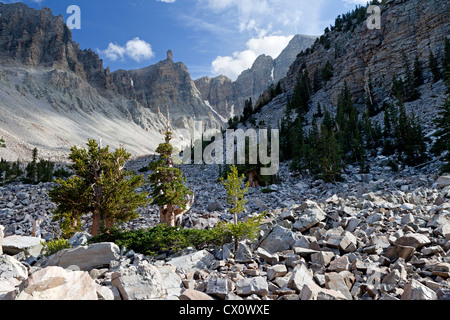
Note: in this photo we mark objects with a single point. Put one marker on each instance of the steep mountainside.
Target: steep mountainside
(366, 56)
(368, 60)
(54, 95)
(227, 97)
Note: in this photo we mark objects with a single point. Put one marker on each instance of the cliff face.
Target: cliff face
(228, 97)
(43, 70)
(166, 86)
(408, 28)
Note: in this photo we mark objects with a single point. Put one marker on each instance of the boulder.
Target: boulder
(191, 294)
(217, 287)
(312, 214)
(10, 268)
(334, 281)
(414, 290)
(193, 262)
(171, 280)
(312, 291)
(278, 240)
(249, 286)
(86, 258)
(30, 246)
(7, 286)
(55, 283)
(397, 251)
(443, 181)
(300, 276)
(415, 240)
(276, 271)
(80, 239)
(142, 282)
(267, 256)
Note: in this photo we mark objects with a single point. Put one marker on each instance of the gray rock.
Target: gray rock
(11, 268)
(217, 287)
(243, 254)
(80, 239)
(192, 262)
(443, 181)
(86, 258)
(414, 290)
(300, 276)
(276, 271)
(278, 240)
(215, 206)
(415, 240)
(171, 280)
(312, 214)
(335, 281)
(267, 256)
(30, 246)
(249, 286)
(142, 282)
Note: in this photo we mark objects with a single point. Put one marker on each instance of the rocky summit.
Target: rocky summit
(378, 236)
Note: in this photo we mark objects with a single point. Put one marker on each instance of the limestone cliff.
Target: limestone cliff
(227, 97)
(54, 95)
(408, 29)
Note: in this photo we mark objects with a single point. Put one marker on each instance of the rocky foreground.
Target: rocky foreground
(379, 236)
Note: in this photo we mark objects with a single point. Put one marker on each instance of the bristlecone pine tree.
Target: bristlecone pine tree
(169, 192)
(101, 187)
(2, 143)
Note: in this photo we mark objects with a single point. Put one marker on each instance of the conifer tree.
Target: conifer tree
(169, 192)
(235, 194)
(2, 143)
(417, 73)
(100, 187)
(443, 127)
(434, 67)
(32, 167)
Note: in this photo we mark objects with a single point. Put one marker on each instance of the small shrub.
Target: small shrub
(165, 239)
(267, 190)
(54, 246)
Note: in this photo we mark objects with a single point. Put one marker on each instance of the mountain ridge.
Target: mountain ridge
(42, 66)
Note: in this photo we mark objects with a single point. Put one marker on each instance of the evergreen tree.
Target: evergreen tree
(434, 67)
(248, 110)
(443, 129)
(302, 93)
(100, 187)
(235, 195)
(2, 143)
(418, 73)
(446, 61)
(327, 71)
(349, 133)
(169, 192)
(330, 156)
(32, 167)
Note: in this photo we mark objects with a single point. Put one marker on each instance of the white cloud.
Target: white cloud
(139, 50)
(114, 52)
(135, 49)
(356, 2)
(232, 66)
(166, 1)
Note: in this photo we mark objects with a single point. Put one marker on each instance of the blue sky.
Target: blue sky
(211, 37)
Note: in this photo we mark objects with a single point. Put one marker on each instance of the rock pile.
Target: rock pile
(378, 245)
